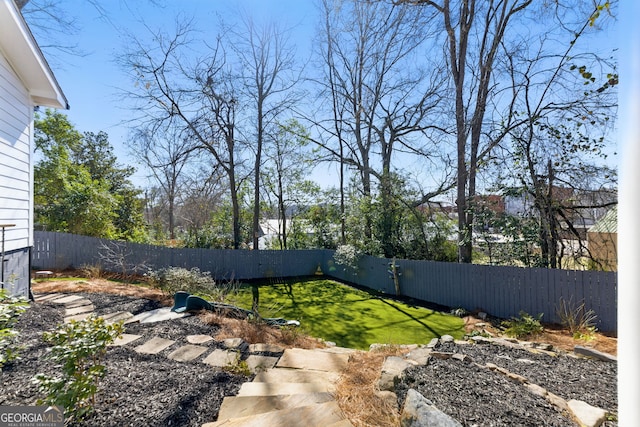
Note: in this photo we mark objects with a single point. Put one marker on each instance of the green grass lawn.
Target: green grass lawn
(347, 316)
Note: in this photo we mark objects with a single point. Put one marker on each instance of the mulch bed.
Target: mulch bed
(476, 396)
(144, 390)
(138, 389)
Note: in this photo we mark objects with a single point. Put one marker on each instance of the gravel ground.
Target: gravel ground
(146, 390)
(476, 396)
(138, 390)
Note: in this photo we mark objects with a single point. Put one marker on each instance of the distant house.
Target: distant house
(26, 81)
(603, 241)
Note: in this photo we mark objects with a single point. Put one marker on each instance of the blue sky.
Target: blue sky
(91, 82)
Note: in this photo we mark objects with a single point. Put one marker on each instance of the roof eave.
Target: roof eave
(23, 53)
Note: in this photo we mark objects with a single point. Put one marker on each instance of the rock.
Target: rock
(462, 357)
(235, 344)
(482, 315)
(392, 368)
(420, 412)
(420, 355)
(480, 340)
(536, 389)
(446, 338)
(389, 397)
(590, 352)
(589, 416)
(433, 343)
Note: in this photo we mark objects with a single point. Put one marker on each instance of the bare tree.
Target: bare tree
(382, 103)
(165, 152)
(200, 98)
(266, 64)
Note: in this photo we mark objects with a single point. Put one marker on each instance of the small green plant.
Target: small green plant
(10, 310)
(92, 271)
(238, 366)
(78, 347)
(576, 318)
(523, 326)
(459, 312)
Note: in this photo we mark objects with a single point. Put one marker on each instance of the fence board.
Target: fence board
(497, 290)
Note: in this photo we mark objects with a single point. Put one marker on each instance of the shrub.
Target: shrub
(576, 318)
(524, 326)
(348, 256)
(173, 279)
(10, 310)
(79, 348)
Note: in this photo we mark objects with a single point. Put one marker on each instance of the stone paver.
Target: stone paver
(79, 310)
(243, 406)
(221, 358)
(158, 315)
(199, 339)
(117, 316)
(187, 352)
(235, 344)
(125, 339)
(286, 375)
(46, 297)
(274, 389)
(260, 363)
(265, 348)
(78, 303)
(154, 346)
(322, 414)
(77, 317)
(67, 299)
(313, 360)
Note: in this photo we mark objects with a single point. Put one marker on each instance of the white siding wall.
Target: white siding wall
(16, 166)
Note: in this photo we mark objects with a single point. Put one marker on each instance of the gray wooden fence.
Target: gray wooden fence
(497, 290)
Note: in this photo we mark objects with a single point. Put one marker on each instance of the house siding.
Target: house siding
(16, 177)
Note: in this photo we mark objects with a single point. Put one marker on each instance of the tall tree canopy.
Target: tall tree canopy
(79, 186)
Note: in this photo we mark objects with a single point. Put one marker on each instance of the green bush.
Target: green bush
(78, 347)
(173, 279)
(10, 309)
(524, 326)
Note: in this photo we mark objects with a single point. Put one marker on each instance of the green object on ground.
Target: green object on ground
(351, 317)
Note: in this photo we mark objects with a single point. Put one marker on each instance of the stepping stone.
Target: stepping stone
(313, 360)
(78, 303)
(265, 348)
(154, 346)
(235, 344)
(124, 340)
(46, 297)
(187, 352)
(340, 350)
(275, 389)
(79, 310)
(157, 315)
(321, 414)
(199, 339)
(286, 375)
(116, 317)
(260, 363)
(77, 317)
(221, 358)
(589, 416)
(67, 299)
(243, 406)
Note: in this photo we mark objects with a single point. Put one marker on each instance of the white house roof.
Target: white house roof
(23, 53)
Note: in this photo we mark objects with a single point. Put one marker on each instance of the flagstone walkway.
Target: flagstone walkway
(292, 387)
